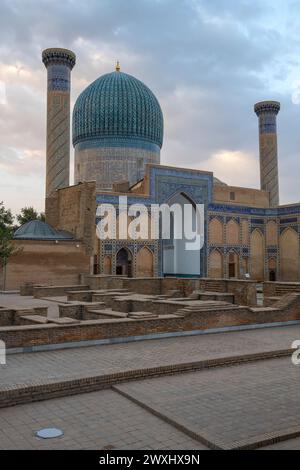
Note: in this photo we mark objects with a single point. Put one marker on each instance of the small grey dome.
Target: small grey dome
(38, 230)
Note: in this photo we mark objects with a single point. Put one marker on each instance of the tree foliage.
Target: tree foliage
(6, 235)
(7, 228)
(29, 213)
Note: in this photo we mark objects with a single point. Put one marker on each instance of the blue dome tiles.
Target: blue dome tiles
(117, 106)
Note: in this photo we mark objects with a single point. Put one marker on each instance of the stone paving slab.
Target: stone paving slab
(243, 406)
(98, 420)
(27, 368)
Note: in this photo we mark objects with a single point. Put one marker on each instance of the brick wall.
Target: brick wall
(47, 262)
(73, 209)
(273, 289)
(243, 196)
(244, 291)
(22, 336)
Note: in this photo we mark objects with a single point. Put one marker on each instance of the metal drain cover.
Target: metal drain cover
(49, 433)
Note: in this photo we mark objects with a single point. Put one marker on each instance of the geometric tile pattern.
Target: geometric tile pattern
(267, 112)
(59, 63)
(120, 106)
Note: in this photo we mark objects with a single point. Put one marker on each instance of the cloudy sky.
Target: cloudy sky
(207, 61)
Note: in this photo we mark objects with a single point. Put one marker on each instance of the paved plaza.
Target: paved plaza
(224, 407)
(228, 406)
(26, 368)
(98, 420)
(246, 403)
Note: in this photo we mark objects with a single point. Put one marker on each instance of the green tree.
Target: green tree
(42, 217)
(29, 213)
(6, 235)
(6, 217)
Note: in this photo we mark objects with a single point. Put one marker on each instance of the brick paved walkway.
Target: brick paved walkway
(227, 405)
(101, 360)
(91, 421)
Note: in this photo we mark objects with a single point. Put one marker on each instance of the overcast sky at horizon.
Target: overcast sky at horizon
(207, 61)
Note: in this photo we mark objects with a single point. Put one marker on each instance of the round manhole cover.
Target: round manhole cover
(49, 433)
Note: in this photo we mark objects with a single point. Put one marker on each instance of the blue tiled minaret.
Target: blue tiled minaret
(266, 112)
(59, 63)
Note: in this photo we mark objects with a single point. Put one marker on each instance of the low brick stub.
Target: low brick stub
(273, 289)
(6, 317)
(56, 291)
(244, 292)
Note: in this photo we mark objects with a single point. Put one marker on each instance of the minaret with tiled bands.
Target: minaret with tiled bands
(267, 112)
(59, 63)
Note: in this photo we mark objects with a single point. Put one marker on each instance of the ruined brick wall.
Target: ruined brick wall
(244, 291)
(143, 285)
(22, 336)
(278, 289)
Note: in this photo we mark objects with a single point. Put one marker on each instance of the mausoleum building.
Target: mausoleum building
(117, 134)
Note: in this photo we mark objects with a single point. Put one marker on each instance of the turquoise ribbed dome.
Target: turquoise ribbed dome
(115, 107)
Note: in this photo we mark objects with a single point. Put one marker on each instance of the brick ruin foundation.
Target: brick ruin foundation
(114, 307)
